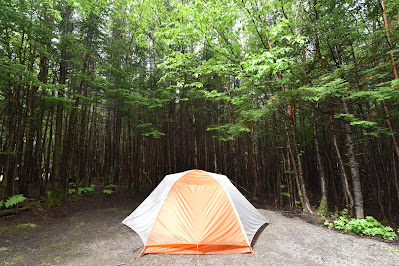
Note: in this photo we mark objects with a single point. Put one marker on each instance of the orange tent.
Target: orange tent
(195, 212)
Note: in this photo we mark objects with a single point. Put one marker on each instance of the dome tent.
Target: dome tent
(195, 212)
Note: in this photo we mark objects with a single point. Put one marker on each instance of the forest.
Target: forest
(295, 101)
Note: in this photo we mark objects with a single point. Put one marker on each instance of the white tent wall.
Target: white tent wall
(250, 218)
(142, 219)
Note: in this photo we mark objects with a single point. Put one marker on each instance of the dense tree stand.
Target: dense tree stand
(296, 101)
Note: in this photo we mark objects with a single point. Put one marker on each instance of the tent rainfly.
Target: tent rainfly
(195, 212)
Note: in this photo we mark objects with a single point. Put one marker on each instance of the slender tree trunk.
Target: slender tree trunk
(345, 183)
(387, 27)
(323, 184)
(354, 166)
(317, 42)
(292, 165)
(28, 142)
(47, 175)
(193, 122)
(56, 172)
(41, 139)
(277, 154)
(395, 177)
(377, 177)
(254, 163)
(8, 171)
(390, 128)
(297, 158)
(215, 165)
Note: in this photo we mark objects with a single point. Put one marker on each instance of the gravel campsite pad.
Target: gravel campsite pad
(89, 232)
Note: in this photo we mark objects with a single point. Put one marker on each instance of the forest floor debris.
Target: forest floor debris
(89, 232)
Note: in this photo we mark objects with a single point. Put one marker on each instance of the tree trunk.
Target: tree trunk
(56, 172)
(317, 42)
(345, 183)
(8, 171)
(193, 122)
(387, 27)
(323, 208)
(254, 163)
(395, 177)
(354, 166)
(277, 154)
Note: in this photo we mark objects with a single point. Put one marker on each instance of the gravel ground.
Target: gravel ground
(95, 236)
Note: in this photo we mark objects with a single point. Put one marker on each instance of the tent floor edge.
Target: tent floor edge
(252, 252)
(142, 253)
(192, 249)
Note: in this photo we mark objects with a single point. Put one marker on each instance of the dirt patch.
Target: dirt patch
(89, 232)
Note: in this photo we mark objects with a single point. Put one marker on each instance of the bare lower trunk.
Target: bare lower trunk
(298, 162)
(390, 127)
(277, 145)
(395, 176)
(323, 185)
(345, 183)
(354, 166)
(8, 176)
(254, 163)
(192, 119)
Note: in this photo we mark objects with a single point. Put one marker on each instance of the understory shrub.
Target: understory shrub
(81, 191)
(367, 226)
(54, 198)
(108, 189)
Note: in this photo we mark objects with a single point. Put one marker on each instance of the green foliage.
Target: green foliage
(108, 189)
(91, 188)
(78, 193)
(25, 226)
(14, 200)
(368, 226)
(229, 132)
(54, 197)
(286, 194)
(394, 251)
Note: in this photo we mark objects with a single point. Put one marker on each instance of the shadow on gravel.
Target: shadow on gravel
(258, 233)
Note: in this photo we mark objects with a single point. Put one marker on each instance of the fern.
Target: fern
(15, 200)
(107, 191)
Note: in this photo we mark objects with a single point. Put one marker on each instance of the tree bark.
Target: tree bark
(323, 184)
(354, 166)
(317, 42)
(387, 27)
(254, 164)
(56, 171)
(345, 183)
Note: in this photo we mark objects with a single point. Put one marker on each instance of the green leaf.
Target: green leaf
(91, 188)
(289, 172)
(14, 200)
